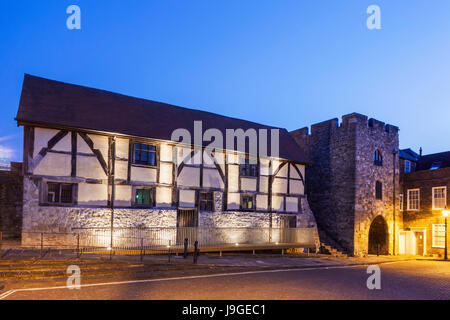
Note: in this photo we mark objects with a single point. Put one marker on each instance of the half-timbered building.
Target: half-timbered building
(93, 157)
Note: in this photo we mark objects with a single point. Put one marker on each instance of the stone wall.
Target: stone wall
(11, 194)
(58, 219)
(341, 182)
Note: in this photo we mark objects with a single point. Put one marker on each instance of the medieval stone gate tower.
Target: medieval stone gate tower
(350, 185)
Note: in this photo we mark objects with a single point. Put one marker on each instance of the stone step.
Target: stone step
(333, 251)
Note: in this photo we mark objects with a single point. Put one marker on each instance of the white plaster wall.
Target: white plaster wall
(262, 202)
(291, 204)
(233, 176)
(248, 184)
(277, 203)
(141, 174)
(166, 173)
(89, 167)
(166, 152)
(294, 173)
(122, 148)
(263, 184)
(182, 154)
(101, 143)
(187, 198)
(82, 146)
(54, 164)
(234, 201)
(65, 144)
(296, 187)
(123, 196)
(264, 167)
(279, 185)
(163, 196)
(41, 138)
(121, 169)
(212, 178)
(301, 168)
(92, 194)
(283, 172)
(189, 177)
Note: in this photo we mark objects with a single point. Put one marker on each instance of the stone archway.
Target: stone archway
(378, 237)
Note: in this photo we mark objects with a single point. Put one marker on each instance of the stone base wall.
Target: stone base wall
(54, 219)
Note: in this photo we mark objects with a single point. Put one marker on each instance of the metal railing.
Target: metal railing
(158, 240)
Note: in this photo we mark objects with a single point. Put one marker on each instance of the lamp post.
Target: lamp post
(445, 213)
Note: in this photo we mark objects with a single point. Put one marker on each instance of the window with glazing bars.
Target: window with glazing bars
(144, 197)
(144, 154)
(248, 168)
(207, 201)
(248, 202)
(59, 193)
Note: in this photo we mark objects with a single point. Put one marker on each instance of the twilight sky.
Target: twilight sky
(288, 63)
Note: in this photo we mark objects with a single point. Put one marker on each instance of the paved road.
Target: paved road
(399, 280)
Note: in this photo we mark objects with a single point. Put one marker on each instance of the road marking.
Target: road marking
(12, 291)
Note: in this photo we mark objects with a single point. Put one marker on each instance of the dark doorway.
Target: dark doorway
(378, 237)
(187, 222)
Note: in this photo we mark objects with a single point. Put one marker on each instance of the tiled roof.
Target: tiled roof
(53, 103)
(434, 161)
(408, 154)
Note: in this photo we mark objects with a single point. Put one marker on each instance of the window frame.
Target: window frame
(133, 155)
(152, 195)
(409, 166)
(378, 162)
(59, 203)
(409, 198)
(253, 202)
(248, 166)
(433, 198)
(378, 190)
(200, 201)
(433, 236)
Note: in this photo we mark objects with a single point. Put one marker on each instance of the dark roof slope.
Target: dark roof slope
(409, 154)
(441, 159)
(54, 103)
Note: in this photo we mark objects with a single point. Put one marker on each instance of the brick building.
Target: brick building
(351, 184)
(425, 185)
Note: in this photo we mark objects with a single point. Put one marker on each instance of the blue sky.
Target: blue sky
(288, 63)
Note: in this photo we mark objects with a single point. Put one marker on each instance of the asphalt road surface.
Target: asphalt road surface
(399, 280)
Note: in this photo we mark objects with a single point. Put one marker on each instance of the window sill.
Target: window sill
(144, 166)
(63, 205)
(143, 207)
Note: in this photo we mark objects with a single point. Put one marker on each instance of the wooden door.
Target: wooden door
(187, 222)
(419, 242)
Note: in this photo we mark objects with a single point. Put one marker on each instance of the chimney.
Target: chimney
(420, 151)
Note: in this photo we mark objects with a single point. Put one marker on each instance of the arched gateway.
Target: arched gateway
(378, 237)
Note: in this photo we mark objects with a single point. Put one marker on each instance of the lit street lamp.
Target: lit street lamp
(445, 213)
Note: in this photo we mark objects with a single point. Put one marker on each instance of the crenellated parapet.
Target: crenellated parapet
(342, 180)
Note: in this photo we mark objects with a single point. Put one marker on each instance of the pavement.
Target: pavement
(399, 280)
(231, 276)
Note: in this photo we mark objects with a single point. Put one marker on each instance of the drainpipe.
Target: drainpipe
(394, 153)
(112, 148)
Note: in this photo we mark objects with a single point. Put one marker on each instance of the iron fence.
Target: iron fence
(158, 240)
